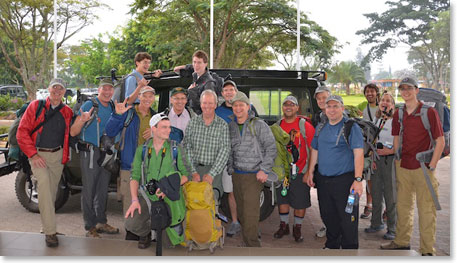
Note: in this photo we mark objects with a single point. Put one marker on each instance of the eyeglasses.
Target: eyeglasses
(288, 105)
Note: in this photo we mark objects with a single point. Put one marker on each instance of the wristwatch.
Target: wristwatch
(358, 179)
(432, 169)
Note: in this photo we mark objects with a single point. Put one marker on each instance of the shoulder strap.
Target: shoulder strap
(41, 104)
(346, 131)
(47, 118)
(426, 122)
(174, 153)
(302, 125)
(400, 120)
(94, 113)
(251, 126)
(369, 112)
(144, 161)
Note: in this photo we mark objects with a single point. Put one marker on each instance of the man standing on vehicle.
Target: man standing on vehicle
(135, 81)
(207, 144)
(135, 134)
(337, 176)
(161, 164)
(251, 160)
(179, 114)
(90, 126)
(298, 195)
(412, 138)
(201, 76)
(44, 139)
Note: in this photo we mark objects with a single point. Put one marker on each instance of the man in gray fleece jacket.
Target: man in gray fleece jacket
(251, 159)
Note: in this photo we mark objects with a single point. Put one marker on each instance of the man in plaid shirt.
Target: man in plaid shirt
(207, 144)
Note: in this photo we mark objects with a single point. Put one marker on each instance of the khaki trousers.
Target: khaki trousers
(411, 186)
(124, 190)
(47, 182)
(247, 190)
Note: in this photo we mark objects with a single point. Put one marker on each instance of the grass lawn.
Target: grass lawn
(355, 100)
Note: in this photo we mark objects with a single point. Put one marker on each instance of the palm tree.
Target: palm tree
(347, 72)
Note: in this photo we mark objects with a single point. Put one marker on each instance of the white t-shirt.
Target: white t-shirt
(385, 136)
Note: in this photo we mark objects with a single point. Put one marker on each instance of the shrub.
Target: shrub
(5, 102)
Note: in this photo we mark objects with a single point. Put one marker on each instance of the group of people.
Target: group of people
(228, 146)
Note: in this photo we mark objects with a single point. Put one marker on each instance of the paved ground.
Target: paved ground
(69, 219)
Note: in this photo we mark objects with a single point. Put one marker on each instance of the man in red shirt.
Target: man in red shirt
(44, 139)
(411, 183)
(298, 196)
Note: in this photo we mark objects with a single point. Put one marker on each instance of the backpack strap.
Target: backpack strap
(145, 163)
(127, 122)
(174, 153)
(41, 105)
(302, 126)
(400, 120)
(426, 123)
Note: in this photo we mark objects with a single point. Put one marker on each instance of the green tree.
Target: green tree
(245, 32)
(432, 59)
(28, 24)
(413, 23)
(346, 73)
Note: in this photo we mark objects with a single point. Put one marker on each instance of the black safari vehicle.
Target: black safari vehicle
(266, 90)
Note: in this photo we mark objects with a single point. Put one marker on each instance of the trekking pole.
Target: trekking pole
(159, 242)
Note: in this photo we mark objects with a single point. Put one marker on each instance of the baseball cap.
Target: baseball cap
(335, 98)
(156, 118)
(57, 81)
(178, 90)
(408, 81)
(240, 96)
(106, 81)
(291, 99)
(321, 89)
(147, 89)
(230, 82)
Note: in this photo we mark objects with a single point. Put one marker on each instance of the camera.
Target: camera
(379, 145)
(151, 187)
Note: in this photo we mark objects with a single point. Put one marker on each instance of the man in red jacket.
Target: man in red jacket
(44, 139)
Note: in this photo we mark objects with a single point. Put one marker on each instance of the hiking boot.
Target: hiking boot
(51, 240)
(366, 212)
(130, 236)
(234, 228)
(144, 242)
(296, 232)
(93, 233)
(393, 246)
(282, 231)
(389, 235)
(105, 228)
(322, 232)
(372, 229)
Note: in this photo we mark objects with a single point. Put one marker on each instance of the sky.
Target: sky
(340, 18)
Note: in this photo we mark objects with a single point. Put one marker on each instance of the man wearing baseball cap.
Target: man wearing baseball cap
(45, 142)
(320, 94)
(136, 132)
(160, 164)
(410, 139)
(90, 126)
(179, 114)
(298, 197)
(340, 165)
(253, 150)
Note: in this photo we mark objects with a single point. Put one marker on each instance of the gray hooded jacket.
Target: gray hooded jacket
(256, 136)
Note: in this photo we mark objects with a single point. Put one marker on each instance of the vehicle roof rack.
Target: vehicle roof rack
(288, 74)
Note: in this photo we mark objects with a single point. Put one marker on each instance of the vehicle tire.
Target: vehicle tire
(265, 204)
(23, 193)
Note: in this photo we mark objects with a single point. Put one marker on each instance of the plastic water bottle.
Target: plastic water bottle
(352, 200)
